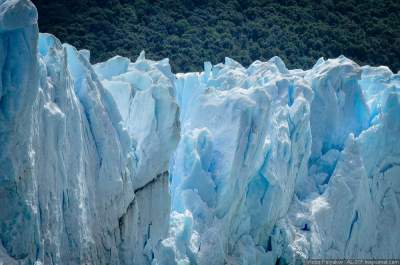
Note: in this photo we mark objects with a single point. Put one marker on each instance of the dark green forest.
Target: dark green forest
(191, 32)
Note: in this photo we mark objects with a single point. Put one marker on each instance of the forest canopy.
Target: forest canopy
(191, 32)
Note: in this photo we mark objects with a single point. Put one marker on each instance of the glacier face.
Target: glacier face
(74, 185)
(127, 163)
(277, 165)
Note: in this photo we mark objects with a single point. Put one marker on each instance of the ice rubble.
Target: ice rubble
(266, 165)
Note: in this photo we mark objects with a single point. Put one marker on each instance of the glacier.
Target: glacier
(77, 185)
(124, 162)
(276, 166)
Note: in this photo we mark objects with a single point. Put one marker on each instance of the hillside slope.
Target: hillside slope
(191, 32)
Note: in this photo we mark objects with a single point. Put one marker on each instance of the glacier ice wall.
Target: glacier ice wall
(275, 166)
(127, 163)
(77, 184)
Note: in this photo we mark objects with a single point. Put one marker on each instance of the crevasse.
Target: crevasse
(127, 163)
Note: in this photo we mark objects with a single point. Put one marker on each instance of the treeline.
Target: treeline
(191, 32)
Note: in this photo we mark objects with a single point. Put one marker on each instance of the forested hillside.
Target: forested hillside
(191, 32)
